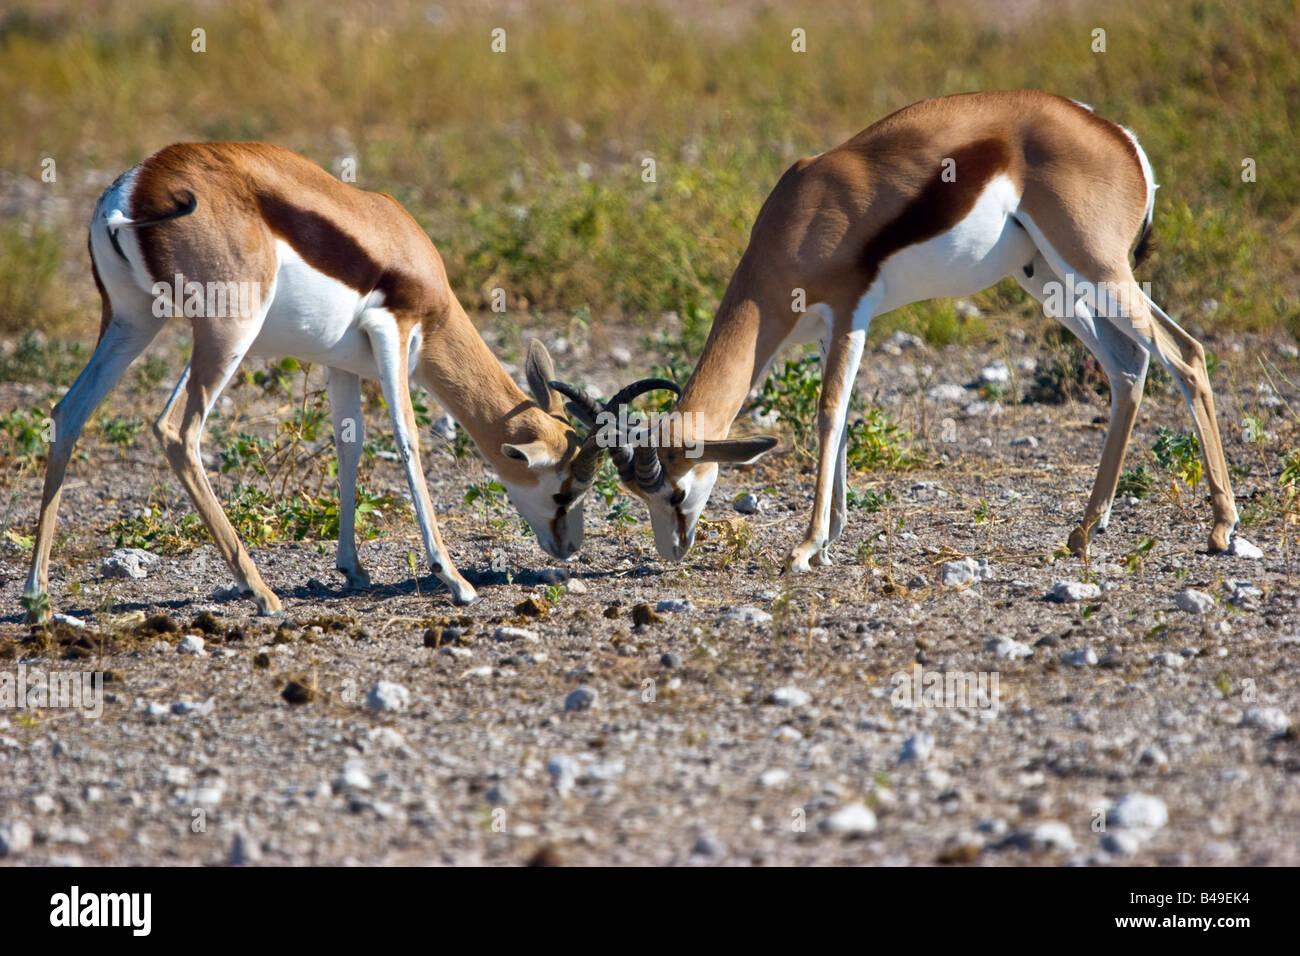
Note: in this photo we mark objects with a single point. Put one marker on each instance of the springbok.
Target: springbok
(287, 260)
(943, 198)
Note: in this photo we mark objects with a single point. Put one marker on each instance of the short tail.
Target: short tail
(186, 203)
(1144, 243)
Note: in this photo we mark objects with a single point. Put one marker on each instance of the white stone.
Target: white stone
(387, 697)
(44, 803)
(854, 819)
(1122, 843)
(583, 698)
(917, 748)
(128, 563)
(948, 393)
(747, 615)
(445, 427)
(192, 644)
(1065, 592)
(1083, 657)
(1052, 835)
(1138, 811)
(996, 373)
(15, 838)
(1241, 548)
(1193, 601)
(674, 606)
(202, 708)
(564, 772)
(353, 778)
(1272, 719)
(1008, 648)
(958, 574)
(978, 408)
(790, 697)
(773, 778)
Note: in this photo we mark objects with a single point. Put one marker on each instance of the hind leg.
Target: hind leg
(1125, 364)
(1145, 323)
(123, 340)
(219, 347)
(349, 434)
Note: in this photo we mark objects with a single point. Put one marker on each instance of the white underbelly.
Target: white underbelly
(981, 250)
(314, 318)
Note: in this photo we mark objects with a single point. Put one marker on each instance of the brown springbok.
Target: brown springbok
(943, 198)
(267, 254)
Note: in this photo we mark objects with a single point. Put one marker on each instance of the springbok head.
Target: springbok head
(548, 475)
(662, 463)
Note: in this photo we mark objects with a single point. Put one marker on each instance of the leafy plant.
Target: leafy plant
(25, 437)
(876, 441)
(735, 535)
(1135, 559)
(33, 358)
(1179, 453)
(1134, 482)
(488, 497)
(794, 391)
(121, 432)
(870, 502)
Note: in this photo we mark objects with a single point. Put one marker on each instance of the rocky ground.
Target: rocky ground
(714, 712)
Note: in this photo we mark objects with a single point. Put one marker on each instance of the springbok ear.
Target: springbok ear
(535, 454)
(737, 451)
(539, 370)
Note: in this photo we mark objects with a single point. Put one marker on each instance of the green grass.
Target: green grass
(526, 167)
(793, 391)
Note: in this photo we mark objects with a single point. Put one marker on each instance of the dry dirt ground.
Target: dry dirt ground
(775, 738)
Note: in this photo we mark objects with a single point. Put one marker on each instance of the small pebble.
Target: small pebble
(387, 697)
(583, 698)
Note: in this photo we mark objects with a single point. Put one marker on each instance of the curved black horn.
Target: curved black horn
(641, 465)
(626, 394)
(585, 462)
(588, 411)
(581, 405)
(647, 468)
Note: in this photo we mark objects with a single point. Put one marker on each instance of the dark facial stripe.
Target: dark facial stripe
(555, 519)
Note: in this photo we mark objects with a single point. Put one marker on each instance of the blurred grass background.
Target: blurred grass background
(525, 166)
